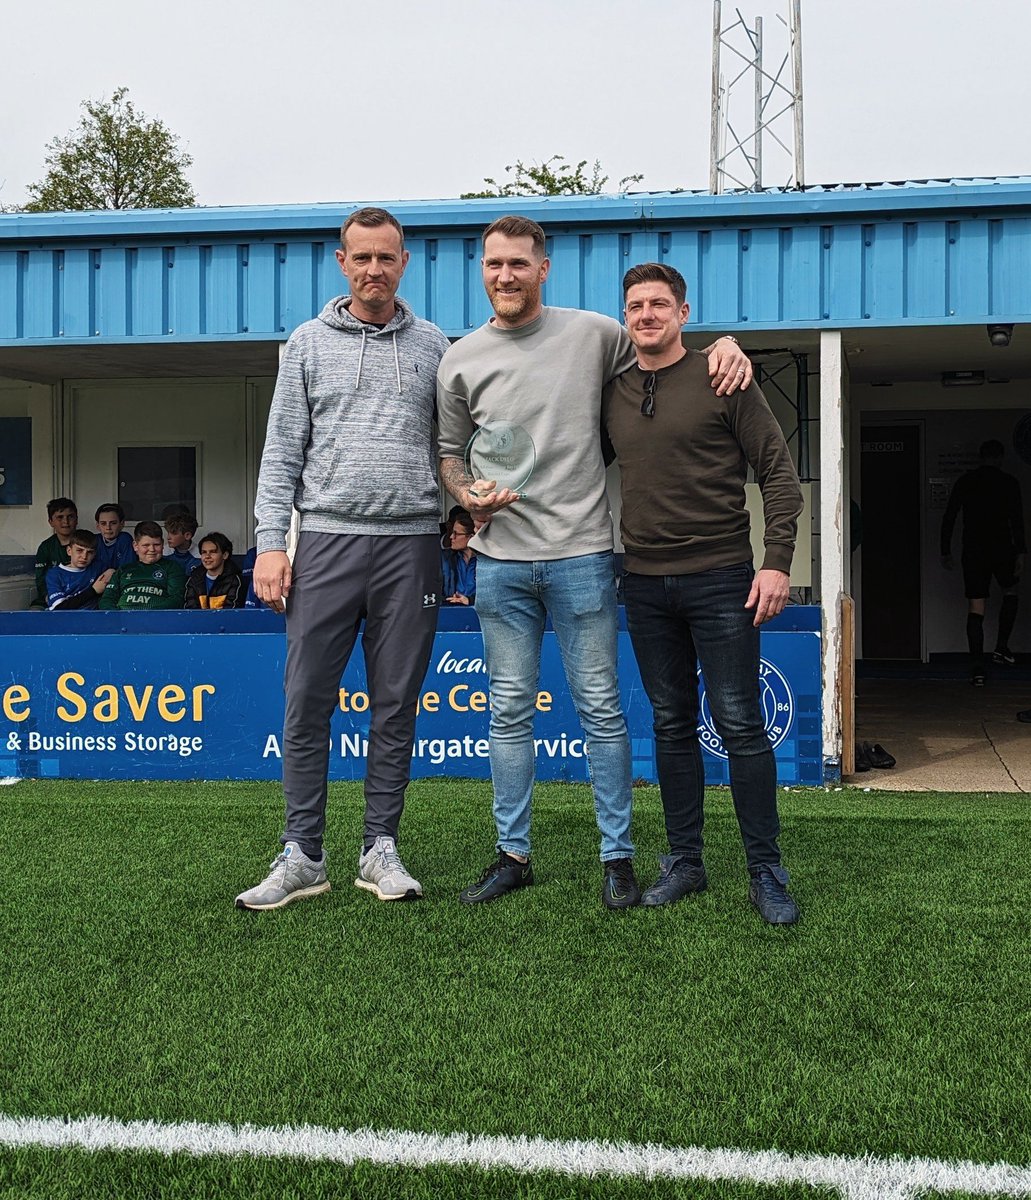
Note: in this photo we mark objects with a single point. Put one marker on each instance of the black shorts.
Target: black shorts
(979, 566)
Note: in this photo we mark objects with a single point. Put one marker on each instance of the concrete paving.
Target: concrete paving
(945, 734)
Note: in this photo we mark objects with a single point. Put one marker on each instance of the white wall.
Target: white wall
(220, 416)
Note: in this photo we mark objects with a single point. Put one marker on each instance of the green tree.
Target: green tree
(553, 177)
(116, 157)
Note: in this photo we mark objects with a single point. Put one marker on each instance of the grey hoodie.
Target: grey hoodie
(350, 433)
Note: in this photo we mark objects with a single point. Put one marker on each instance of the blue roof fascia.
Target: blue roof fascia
(830, 206)
(420, 216)
(150, 339)
(323, 220)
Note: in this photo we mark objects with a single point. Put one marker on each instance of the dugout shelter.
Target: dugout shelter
(138, 347)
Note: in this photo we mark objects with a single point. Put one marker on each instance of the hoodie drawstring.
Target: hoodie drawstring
(361, 359)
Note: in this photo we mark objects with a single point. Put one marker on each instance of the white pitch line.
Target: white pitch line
(856, 1178)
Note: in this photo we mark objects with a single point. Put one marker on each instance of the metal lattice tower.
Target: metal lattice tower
(740, 130)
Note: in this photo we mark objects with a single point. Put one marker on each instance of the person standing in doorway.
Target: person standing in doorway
(993, 547)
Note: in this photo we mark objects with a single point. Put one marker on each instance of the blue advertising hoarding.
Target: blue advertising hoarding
(209, 705)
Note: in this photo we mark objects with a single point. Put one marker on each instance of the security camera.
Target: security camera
(999, 335)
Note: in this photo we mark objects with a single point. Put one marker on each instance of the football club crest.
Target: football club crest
(775, 699)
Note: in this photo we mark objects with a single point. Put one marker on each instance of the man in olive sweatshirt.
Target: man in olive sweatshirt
(690, 590)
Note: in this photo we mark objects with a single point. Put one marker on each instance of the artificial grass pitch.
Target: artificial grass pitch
(893, 1020)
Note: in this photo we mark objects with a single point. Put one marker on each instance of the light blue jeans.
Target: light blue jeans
(513, 600)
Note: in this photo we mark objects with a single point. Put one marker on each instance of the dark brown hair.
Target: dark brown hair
(182, 522)
(217, 539)
(656, 273)
(149, 529)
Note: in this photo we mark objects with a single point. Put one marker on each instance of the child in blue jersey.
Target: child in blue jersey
(180, 530)
(217, 583)
(247, 570)
(114, 546)
(458, 562)
(79, 583)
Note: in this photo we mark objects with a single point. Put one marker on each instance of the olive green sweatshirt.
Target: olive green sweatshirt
(683, 472)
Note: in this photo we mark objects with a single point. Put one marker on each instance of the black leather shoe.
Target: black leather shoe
(620, 888)
(862, 758)
(768, 891)
(1025, 716)
(678, 877)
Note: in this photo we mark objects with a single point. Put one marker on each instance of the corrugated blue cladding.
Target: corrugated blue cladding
(941, 266)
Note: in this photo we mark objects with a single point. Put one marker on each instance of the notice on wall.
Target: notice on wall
(938, 492)
(15, 460)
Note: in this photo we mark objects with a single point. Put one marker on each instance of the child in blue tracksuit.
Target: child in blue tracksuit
(180, 530)
(78, 583)
(247, 570)
(114, 546)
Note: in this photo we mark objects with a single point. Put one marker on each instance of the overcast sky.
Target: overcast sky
(296, 102)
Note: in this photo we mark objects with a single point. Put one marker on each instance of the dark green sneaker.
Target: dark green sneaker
(620, 888)
(503, 875)
(678, 877)
(768, 891)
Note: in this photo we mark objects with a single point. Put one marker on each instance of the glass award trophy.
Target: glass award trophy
(503, 452)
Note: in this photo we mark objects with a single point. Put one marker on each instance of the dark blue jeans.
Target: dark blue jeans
(675, 622)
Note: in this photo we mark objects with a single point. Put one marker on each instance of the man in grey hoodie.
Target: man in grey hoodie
(350, 446)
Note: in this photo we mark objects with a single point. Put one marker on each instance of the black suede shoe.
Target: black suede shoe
(503, 875)
(678, 877)
(620, 888)
(768, 891)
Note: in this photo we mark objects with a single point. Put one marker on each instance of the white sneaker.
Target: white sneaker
(294, 876)
(381, 870)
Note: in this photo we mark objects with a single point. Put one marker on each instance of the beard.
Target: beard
(512, 305)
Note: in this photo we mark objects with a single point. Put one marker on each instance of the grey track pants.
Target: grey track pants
(395, 584)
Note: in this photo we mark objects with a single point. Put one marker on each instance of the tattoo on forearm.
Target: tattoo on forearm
(455, 477)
